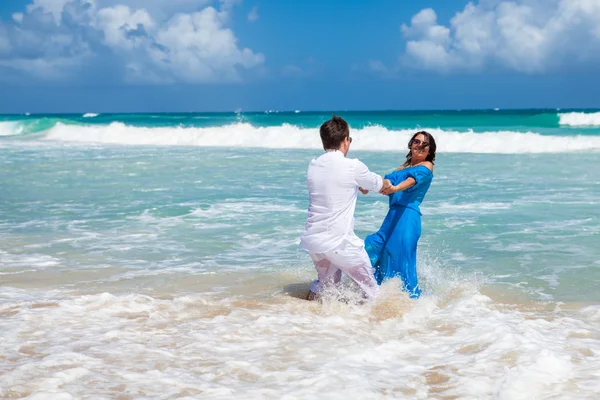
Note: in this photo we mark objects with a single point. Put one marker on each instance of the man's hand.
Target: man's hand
(387, 187)
(363, 191)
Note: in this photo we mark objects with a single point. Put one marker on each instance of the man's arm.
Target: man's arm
(386, 187)
(368, 180)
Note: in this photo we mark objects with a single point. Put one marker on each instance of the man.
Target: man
(333, 182)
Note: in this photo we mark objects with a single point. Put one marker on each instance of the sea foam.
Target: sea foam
(10, 128)
(580, 119)
(373, 138)
(462, 345)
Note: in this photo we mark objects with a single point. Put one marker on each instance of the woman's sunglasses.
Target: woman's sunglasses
(419, 143)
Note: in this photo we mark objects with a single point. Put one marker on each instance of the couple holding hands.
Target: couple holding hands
(333, 184)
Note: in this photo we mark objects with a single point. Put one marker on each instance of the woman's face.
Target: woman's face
(419, 148)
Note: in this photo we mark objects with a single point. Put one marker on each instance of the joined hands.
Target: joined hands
(386, 189)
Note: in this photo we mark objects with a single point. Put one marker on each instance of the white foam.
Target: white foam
(90, 115)
(580, 119)
(461, 344)
(464, 208)
(236, 210)
(592, 313)
(375, 138)
(28, 261)
(10, 128)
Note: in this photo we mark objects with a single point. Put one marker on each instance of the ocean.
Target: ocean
(155, 256)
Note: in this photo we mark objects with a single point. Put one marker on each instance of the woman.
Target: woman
(393, 249)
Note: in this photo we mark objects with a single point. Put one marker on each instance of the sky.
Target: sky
(254, 55)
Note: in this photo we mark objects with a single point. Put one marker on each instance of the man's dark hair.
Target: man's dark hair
(333, 133)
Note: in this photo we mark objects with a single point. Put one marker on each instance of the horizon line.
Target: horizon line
(299, 111)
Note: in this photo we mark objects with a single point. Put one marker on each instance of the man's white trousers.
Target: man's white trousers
(349, 258)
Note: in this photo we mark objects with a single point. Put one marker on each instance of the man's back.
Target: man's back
(333, 182)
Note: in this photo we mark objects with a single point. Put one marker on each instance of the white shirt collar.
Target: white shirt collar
(329, 151)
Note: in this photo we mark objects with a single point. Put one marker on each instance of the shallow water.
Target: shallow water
(153, 272)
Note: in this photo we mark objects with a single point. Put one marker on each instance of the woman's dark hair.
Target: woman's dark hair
(333, 133)
(432, 147)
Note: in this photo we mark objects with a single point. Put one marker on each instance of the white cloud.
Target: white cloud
(18, 17)
(524, 35)
(53, 7)
(41, 46)
(58, 35)
(158, 6)
(117, 24)
(253, 14)
(161, 9)
(197, 48)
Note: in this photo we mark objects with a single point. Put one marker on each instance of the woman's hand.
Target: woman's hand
(363, 191)
(406, 184)
(388, 190)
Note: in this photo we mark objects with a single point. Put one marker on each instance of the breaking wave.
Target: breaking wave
(580, 119)
(245, 134)
(375, 138)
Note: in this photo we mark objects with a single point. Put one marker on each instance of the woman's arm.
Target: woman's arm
(386, 186)
(406, 184)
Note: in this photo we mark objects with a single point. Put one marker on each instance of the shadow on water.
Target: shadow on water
(343, 293)
(297, 290)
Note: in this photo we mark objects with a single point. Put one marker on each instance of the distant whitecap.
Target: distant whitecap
(580, 119)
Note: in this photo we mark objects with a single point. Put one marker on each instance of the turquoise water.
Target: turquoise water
(545, 121)
(173, 239)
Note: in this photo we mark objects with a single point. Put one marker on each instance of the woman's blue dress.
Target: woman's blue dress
(393, 249)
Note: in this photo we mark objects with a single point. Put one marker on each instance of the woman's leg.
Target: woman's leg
(400, 253)
(375, 243)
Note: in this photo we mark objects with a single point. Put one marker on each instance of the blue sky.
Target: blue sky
(203, 55)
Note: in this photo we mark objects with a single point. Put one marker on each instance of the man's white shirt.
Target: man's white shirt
(333, 182)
